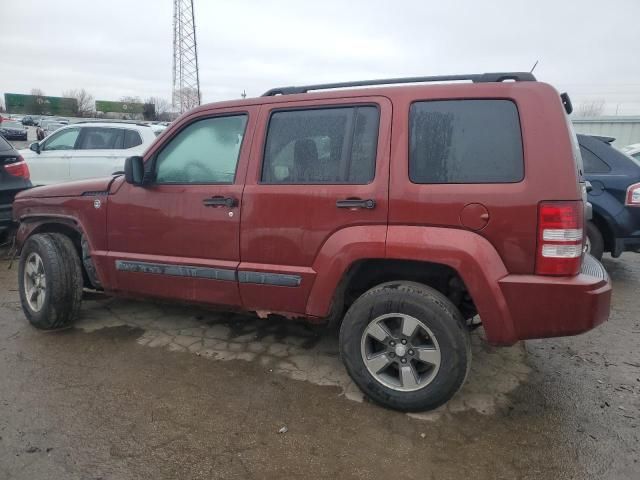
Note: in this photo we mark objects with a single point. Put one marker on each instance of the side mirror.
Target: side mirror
(35, 146)
(134, 170)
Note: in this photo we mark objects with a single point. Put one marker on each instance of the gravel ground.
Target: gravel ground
(141, 390)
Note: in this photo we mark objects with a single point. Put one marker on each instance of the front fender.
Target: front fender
(85, 215)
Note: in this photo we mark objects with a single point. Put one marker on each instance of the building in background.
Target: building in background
(626, 130)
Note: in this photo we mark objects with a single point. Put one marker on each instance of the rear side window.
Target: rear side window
(322, 146)
(592, 163)
(131, 139)
(465, 141)
(98, 138)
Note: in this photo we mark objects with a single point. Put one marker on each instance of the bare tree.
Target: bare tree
(593, 108)
(162, 107)
(1, 106)
(86, 105)
(37, 92)
(189, 97)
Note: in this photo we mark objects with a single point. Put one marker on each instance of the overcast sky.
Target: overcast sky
(114, 48)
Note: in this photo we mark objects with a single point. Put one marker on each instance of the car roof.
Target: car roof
(634, 147)
(134, 126)
(432, 90)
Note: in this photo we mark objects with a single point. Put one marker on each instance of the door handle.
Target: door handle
(356, 203)
(219, 201)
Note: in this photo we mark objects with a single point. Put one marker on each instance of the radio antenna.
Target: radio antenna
(534, 66)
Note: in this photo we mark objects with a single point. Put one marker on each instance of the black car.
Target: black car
(614, 195)
(29, 120)
(13, 130)
(14, 177)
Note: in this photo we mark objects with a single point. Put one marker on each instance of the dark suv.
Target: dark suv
(398, 213)
(14, 177)
(615, 196)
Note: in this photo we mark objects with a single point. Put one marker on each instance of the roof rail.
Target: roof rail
(110, 120)
(475, 78)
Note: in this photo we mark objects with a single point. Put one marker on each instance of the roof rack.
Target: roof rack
(111, 120)
(475, 78)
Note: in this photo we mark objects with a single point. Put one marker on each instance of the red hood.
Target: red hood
(69, 189)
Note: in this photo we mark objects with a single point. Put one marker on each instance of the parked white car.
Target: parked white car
(632, 150)
(85, 150)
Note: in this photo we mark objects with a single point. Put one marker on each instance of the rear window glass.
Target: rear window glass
(131, 139)
(4, 145)
(465, 141)
(592, 163)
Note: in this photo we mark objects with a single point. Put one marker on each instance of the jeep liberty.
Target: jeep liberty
(397, 212)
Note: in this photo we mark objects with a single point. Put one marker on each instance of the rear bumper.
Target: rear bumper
(542, 307)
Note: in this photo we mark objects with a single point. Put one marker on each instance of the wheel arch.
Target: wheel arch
(606, 230)
(30, 226)
(449, 260)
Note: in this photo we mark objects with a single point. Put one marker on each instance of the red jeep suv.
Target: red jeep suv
(399, 213)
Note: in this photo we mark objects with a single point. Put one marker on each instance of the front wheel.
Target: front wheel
(50, 281)
(406, 346)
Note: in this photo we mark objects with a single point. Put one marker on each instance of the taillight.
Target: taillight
(18, 169)
(633, 195)
(560, 236)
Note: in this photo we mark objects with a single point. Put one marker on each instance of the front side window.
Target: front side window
(100, 138)
(206, 151)
(465, 141)
(322, 146)
(64, 140)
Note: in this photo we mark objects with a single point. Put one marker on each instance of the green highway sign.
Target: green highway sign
(105, 106)
(40, 105)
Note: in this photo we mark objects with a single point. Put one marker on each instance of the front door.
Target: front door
(51, 165)
(319, 171)
(178, 236)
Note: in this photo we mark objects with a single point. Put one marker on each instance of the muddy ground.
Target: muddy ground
(141, 390)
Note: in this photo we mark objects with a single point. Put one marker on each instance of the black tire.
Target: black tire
(63, 274)
(596, 240)
(436, 312)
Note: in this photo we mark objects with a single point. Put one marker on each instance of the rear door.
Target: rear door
(98, 153)
(317, 168)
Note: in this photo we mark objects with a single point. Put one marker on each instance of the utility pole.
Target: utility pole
(186, 78)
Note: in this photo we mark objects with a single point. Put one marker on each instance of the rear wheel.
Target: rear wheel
(595, 242)
(50, 281)
(405, 345)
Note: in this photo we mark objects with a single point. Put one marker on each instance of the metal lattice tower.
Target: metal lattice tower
(186, 79)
